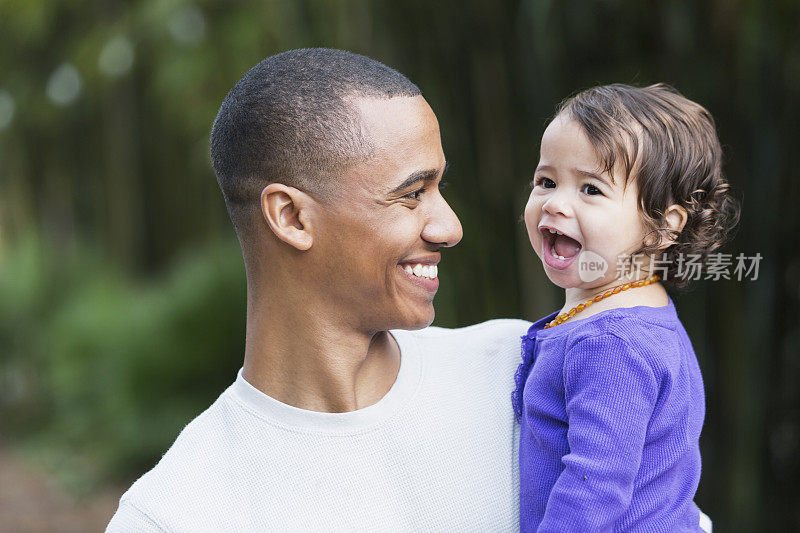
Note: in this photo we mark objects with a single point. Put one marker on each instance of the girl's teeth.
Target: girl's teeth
(422, 271)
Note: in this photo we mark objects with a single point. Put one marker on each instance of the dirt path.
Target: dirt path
(31, 502)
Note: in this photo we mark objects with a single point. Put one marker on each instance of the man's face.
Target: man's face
(378, 238)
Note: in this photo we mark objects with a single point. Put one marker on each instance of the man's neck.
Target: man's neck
(303, 358)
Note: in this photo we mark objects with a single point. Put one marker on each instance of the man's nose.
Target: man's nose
(443, 227)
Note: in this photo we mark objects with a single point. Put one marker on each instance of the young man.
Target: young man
(330, 163)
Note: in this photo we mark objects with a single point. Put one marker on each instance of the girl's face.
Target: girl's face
(572, 195)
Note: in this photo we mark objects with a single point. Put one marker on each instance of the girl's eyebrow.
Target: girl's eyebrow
(593, 175)
(584, 173)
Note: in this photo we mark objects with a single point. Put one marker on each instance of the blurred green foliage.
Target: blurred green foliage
(101, 372)
(122, 289)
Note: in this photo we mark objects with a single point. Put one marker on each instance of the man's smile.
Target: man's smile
(422, 271)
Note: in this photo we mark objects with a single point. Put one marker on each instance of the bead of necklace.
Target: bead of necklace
(563, 317)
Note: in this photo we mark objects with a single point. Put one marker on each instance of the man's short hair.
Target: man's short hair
(291, 120)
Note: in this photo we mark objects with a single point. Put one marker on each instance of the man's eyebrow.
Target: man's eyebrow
(420, 175)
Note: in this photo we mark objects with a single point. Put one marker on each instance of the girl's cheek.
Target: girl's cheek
(531, 215)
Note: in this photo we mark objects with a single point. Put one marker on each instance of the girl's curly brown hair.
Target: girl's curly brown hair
(669, 145)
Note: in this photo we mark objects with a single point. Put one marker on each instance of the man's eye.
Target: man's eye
(591, 190)
(541, 181)
(416, 195)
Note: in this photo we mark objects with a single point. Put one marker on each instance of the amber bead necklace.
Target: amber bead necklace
(563, 317)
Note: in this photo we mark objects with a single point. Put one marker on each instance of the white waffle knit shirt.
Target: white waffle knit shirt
(437, 453)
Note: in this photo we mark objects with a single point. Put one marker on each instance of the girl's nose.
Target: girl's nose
(557, 204)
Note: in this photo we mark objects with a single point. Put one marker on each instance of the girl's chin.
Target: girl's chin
(570, 280)
(566, 285)
(563, 279)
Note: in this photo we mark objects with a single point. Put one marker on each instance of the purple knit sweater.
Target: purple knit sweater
(611, 409)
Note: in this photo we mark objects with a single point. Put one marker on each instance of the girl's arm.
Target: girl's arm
(611, 392)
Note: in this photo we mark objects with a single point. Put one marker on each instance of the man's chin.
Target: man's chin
(420, 321)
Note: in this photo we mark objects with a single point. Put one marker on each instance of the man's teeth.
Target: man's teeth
(422, 271)
(555, 231)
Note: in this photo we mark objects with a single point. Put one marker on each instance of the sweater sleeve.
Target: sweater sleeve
(610, 393)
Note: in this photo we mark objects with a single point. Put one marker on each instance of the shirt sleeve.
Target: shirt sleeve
(610, 393)
(129, 518)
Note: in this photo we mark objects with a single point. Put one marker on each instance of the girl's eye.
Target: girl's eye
(541, 181)
(591, 190)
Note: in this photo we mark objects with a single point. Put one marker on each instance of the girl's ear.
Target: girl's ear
(675, 216)
(287, 213)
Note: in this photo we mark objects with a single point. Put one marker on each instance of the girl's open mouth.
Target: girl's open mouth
(559, 251)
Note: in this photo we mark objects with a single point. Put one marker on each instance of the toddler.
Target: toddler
(627, 192)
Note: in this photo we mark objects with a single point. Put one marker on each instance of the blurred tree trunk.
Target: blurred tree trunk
(124, 210)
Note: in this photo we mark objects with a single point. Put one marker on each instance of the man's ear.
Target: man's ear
(675, 216)
(286, 210)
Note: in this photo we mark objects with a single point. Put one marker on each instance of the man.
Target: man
(330, 165)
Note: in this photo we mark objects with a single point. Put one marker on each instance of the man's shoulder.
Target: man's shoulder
(491, 339)
(491, 330)
(199, 453)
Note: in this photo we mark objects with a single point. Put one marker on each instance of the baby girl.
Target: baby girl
(610, 398)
